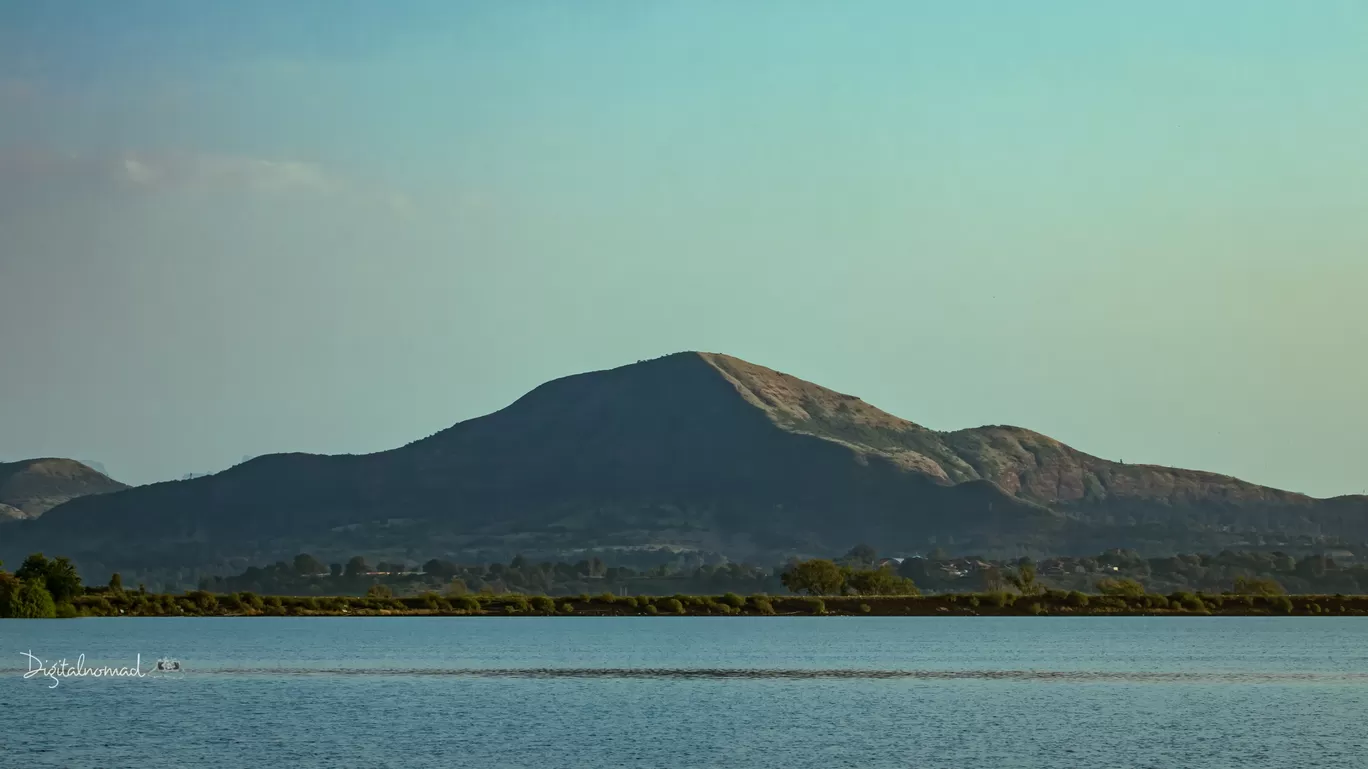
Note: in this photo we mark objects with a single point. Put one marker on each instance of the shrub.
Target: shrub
(1037, 609)
(379, 591)
(518, 604)
(762, 605)
(1186, 601)
(651, 609)
(467, 603)
(818, 606)
(204, 601)
(1000, 599)
(566, 608)
(1283, 603)
(864, 607)
(733, 600)
(65, 610)
(1121, 587)
(607, 598)
(973, 601)
(675, 605)
(1078, 599)
(631, 602)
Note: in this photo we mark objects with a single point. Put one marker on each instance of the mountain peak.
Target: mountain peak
(34, 486)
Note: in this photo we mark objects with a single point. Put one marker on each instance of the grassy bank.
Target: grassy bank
(1051, 603)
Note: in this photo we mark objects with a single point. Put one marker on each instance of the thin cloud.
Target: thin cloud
(134, 173)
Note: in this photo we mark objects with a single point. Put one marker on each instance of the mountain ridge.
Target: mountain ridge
(702, 450)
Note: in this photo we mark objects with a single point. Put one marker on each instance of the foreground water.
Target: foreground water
(693, 692)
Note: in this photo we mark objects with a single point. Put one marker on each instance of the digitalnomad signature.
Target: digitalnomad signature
(60, 669)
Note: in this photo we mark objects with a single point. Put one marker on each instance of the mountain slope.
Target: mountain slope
(34, 486)
(694, 449)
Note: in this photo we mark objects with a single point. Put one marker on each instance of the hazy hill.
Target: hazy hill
(32, 487)
(694, 449)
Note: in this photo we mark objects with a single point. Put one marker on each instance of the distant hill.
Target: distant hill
(32, 487)
(697, 450)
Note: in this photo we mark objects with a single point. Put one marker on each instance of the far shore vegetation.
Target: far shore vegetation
(52, 588)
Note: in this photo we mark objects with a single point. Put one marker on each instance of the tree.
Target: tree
(335, 569)
(357, 566)
(379, 591)
(116, 583)
(25, 598)
(881, 581)
(818, 576)
(306, 565)
(58, 577)
(1024, 578)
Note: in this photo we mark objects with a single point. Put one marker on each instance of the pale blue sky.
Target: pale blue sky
(238, 228)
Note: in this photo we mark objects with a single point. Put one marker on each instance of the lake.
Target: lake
(669, 692)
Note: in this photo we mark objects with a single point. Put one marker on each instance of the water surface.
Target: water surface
(694, 692)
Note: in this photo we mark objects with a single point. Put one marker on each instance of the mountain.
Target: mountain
(697, 450)
(32, 487)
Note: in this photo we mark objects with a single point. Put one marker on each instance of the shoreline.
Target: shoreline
(1048, 603)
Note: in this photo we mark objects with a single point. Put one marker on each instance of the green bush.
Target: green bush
(65, 610)
(1078, 599)
(1282, 603)
(1001, 599)
(543, 604)
(1186, 601)
(674, 605)
(762, 605)
(466, 603)
(818, 606)
(631, 602)
(567, 608)
(608, 598)
(864, 607)
(651, 609)
(733, 600)
(203, 601)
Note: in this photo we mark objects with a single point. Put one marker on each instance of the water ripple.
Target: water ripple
(1067, 676)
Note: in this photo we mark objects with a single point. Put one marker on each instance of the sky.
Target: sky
(232, 229)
